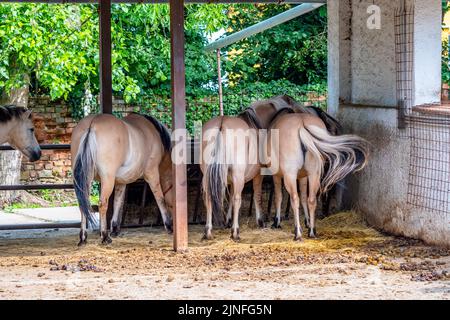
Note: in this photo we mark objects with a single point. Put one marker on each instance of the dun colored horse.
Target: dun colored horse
(117, 152)
(266, 110)
(302, 153)
(218, 173)
(221, 170)
(16, 128)
(332, 199)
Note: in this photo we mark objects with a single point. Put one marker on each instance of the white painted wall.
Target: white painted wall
(373, 55)
(362, 72)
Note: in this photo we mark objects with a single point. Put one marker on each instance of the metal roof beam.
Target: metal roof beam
(263, 25)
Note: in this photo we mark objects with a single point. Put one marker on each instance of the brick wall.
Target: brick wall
(53, 125)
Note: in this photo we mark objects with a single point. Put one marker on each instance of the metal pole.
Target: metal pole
(180, 218)
(105, 56)
(219, 75)
(264, 25)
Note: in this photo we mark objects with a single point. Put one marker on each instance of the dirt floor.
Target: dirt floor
(347, 261)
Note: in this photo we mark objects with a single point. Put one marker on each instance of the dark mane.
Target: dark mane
(279, 113)
(249, 115)
(289, 99)
(162, 130)
(10, 112)
(331, 123)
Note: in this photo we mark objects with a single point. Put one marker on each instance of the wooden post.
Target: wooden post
(106, 73)
(219, 75)
(180, 219)
(105, 56)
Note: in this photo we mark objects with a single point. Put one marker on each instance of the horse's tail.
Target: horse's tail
(345, 153)
(83, 174)
(215, 178)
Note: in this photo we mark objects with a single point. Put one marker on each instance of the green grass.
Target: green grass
(49, 196)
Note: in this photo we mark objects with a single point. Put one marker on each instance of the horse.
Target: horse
(302, 154)
(332, 199)
(217, 176)
(117, 152)
(17, 129)
(266, 110)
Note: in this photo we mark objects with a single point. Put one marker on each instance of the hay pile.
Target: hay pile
(342, 238)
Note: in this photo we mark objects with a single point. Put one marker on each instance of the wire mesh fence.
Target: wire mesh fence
(429, 168)
(204, 108)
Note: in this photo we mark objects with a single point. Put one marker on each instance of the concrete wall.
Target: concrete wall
(364, 100)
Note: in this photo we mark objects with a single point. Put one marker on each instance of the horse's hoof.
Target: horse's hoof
(235, 235)
(312, 233)
(82, 243)
(115, 234)
(261, 223)
(115, 231)
(228, 224)
(297, 235)
(168, 228)
(105, 238)
(276, 225)
(207, 236)
(83, 238)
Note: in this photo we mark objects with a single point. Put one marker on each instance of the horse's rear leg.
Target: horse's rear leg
(257, 195)
(83, 231)
(119, 195)
(153, 181)
(230, 209)
(208, 226)
(304, 198)
(238, 186)
(107, 186)
(290, 182)
(278, 200)
(314, 185)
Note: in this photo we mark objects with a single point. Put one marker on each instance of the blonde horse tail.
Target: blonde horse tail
(83, 174)
(215, 179)
(342, 154)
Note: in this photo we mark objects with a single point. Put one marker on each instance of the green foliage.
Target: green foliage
(48, 43)
(445, 63)
(56, 46)
(204, 106)
(295, 50)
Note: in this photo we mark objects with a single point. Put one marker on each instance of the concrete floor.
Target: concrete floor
(40, 215)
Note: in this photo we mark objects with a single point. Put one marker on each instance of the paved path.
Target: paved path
(40, 215)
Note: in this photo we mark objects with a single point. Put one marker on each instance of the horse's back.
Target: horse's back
(151, 140)
(110, 134)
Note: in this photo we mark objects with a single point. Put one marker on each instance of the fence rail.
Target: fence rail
(38, 186)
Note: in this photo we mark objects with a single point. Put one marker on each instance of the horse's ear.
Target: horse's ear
(26, 115)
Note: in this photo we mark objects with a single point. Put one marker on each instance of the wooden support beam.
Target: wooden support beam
(180, 218)
(105, 56)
